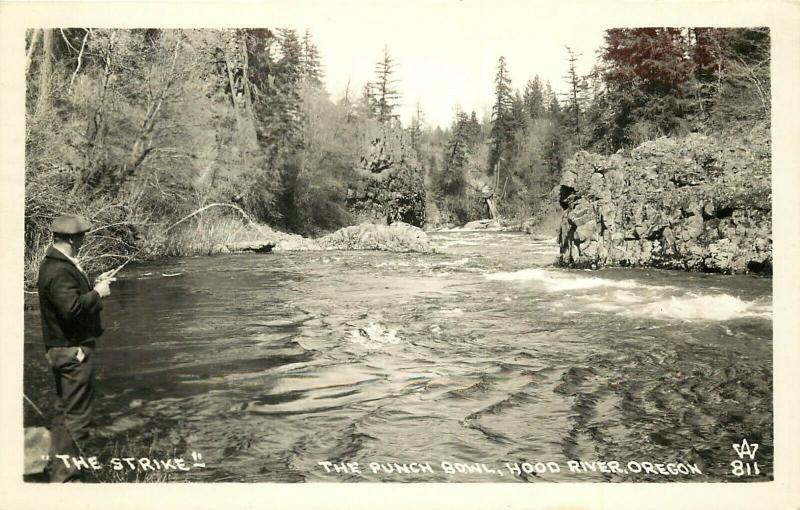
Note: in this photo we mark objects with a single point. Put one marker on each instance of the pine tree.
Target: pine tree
(534, 98)
(290, 58)
(312, 70)
(648, 74)
(451, 180)
(502, 120)
(576, 98)
(385, 93)
(553, 107)
(473, 130)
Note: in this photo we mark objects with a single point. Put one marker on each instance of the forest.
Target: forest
(137, 128)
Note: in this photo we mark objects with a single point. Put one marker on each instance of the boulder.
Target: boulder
(37, 446)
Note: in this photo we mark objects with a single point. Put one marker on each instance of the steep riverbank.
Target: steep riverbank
(692, 203)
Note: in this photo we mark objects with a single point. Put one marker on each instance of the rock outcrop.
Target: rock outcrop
(692, 203)
(391, 186)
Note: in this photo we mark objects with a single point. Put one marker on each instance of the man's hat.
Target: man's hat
(70, 224)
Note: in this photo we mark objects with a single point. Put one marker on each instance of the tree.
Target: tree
(473, 130)
(310, 61)
(452, 181)
(533, 98)
(576, 98)
(647, 73)
(385, 94)
(502, 116)
(415, 130)
(518, 115)
(670, 81)
(552, 106)
(732, 73)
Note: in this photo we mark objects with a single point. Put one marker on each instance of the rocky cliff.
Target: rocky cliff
(692, 203)
(391, 186)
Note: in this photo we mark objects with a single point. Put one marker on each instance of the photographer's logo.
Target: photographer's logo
(746, 449)
(740, 467)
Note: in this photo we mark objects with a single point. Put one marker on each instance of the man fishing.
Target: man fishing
(70, 310)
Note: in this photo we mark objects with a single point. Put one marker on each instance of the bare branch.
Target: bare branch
(80, 61)
(64, 36)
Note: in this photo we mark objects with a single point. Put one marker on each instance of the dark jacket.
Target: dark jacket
(70, 308)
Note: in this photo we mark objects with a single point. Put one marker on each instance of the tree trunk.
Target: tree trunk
(45, 100)
(32, 48)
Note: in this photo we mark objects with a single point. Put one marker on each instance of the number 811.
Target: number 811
(740, 468)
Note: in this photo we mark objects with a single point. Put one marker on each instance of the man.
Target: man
(70, 310)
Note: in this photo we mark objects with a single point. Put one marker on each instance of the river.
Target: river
(482, 353)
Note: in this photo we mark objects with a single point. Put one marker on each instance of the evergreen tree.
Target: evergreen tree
(518, 115)
(576, 98)
(502, 118)
(533, 98)
(647, 72)
(473, 130)
(385, 93)
(553, 107)
(281, 125)
(452, 181)
(312, 70)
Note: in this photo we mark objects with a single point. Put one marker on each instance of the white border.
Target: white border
(784, 20)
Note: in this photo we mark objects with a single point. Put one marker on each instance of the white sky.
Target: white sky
(446, 52)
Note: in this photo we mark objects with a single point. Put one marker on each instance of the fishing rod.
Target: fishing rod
(111, 274)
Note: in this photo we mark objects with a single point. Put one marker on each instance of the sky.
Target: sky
(446, 53)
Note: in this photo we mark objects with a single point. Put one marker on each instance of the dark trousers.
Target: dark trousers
(75, 389)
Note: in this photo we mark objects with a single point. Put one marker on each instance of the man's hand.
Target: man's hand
(102, 288)
(105, 279)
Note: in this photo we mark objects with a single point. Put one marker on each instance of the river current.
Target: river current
(482, 353)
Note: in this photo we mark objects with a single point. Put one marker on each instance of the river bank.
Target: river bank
(223, 234)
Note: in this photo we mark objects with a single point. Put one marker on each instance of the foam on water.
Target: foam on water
(722, 307)
(374, 336)
(634, 299)
(556, 282)
(687, 307)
